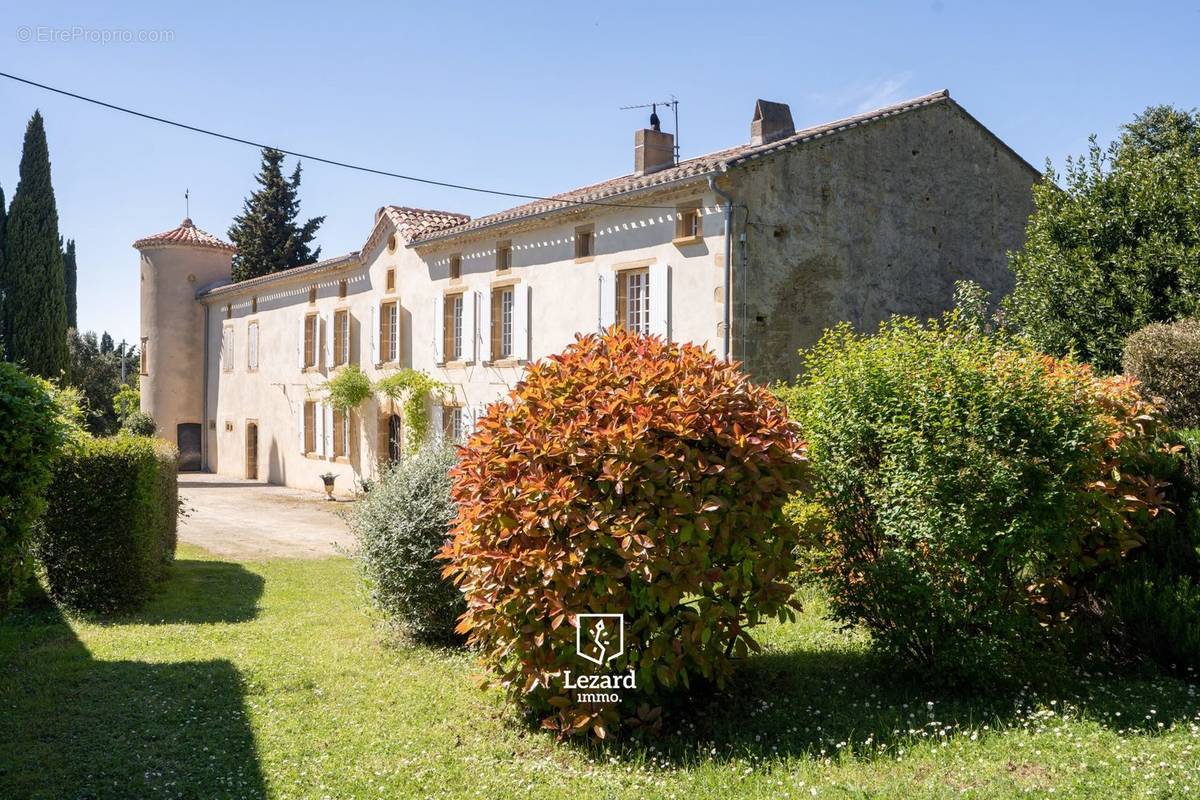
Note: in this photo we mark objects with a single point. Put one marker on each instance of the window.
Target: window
(455, 267)
(310, 427)
(687, 223)
(502, 323)
(389, 333)
(341, 337)
(312, 344)
(144, 356)
(341, 434)
(253, 305)
(312, 294)
(452, 423)
(585, 242)
(391, 243)
(228, 311)
(454, 327)
(227, 349)
(503, 256)
(633, 300)
(390, 282)
(252, 346)
(341, 288)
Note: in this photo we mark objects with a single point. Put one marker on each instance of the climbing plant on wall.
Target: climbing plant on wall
(410, 387)
(348, 387)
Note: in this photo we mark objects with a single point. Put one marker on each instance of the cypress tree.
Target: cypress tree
(35, 307)
(70, 281)
(3, 281)
(266, 233)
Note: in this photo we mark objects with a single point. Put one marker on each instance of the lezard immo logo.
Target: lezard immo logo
(599, 638)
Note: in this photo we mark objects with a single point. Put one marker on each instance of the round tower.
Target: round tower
(175, 265)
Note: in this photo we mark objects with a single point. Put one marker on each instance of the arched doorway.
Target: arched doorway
(394, 438)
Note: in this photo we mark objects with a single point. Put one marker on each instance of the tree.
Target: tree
(69, 279)
(266, 233)
(3, 282)
(1118, 246)
(35, 307)
(106, 343)
(96, 373)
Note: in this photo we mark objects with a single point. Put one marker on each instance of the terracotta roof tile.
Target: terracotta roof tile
(186, 235)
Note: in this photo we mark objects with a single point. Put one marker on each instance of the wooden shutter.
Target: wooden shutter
(520, 328)
(660, 300)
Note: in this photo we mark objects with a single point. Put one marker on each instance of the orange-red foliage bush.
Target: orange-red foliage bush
(633, 476)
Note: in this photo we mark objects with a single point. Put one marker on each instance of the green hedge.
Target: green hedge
(30, 436)
(109, 531)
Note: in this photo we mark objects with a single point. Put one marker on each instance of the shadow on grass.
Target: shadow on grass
(816, 703)
(199, 592)
(75, 727)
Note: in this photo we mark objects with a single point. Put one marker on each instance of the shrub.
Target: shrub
(401, 524)
(1165, 358)
(139, 423)
(30, 436)
(631, 476)
(968, 488)
(110, 527)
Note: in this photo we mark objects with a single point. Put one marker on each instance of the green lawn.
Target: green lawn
(269, 680)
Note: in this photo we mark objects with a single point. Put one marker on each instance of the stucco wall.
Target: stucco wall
(873, 221)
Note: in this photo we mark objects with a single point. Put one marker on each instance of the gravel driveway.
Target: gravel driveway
(246, 520)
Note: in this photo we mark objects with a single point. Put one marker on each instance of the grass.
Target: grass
(270, 680)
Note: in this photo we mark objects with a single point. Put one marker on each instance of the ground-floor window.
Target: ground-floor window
(452, 423)
(341, 434)
(633, 300)
(310, 427)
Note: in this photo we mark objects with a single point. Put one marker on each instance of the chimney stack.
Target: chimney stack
(652, 150)
(771, 121)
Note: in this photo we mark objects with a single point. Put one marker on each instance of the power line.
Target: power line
(319, 159)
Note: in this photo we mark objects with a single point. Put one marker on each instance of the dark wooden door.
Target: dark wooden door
(187, 436)
(252, 450)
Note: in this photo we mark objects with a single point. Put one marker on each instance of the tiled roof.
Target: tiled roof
(186, 235)
(700, 166)
(413, 222)
(328, 265)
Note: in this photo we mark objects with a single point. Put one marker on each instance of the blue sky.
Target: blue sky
(516, 96)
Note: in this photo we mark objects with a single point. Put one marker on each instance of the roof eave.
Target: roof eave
(337, 264)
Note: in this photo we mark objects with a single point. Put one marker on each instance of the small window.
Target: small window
(310, 426)
(253, 305)
(252, 346)
(389, 333)
(227, 349)
(453, 333)
(144, 356)
(452, 423)
(585, 242)
(312, 294)
(311, 340)
(687, 223)
(503, 256)
(341, 337)
(455, 267)
(391, 244)
(633, 300)
(229, 311)
(341, 434)
(502, 323)
(390, 285)
(341, 288)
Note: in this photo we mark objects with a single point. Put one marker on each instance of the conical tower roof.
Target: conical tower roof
(186, 235)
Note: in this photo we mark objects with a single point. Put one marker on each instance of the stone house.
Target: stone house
(750, 251)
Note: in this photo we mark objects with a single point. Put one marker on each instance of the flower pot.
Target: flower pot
(328, 486)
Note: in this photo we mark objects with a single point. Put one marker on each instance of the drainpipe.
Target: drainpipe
(726, 344)
(204, 403)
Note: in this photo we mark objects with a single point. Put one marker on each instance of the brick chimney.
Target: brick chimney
(771, 121)
(652, 150)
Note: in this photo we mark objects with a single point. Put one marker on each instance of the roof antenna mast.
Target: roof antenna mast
(654, 123)
(187, 204)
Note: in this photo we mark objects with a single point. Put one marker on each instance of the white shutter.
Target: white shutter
(327, 429)
(327, 325)
(485, 327)
(660, 300)
(300, 424)
(608, 300)
(468, 326)
(394, 324)
(319, 428)
(374, 335)
(300, 344)
(435, 421)
(439, 330)
(520, 343)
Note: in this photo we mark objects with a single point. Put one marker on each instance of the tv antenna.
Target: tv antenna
(654, 124)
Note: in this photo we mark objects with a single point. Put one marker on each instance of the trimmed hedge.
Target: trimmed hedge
(30, 437)
(109, 531)
(1165, 358)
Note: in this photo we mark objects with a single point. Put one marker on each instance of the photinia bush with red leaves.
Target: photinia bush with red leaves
(627, 475)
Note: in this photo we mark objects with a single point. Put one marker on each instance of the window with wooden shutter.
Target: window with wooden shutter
(341, 337)
(688, 224)
(455, 267)
(310, 427)
(585, 242)
(311, 340)
(502, 323)
(252, 346)
(452, 332)
(503, 256)
(633, 300)
(341, 434)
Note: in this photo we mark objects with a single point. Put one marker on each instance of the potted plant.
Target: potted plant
(329, 478)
